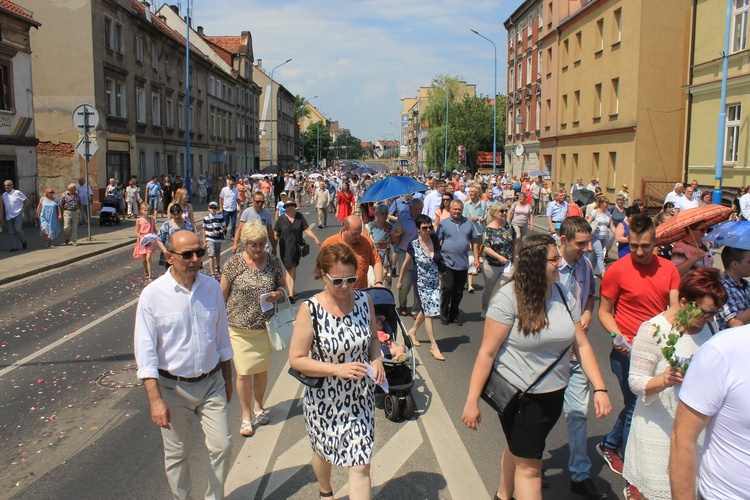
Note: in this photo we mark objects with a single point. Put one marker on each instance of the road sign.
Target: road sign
(81, 147)
(78, 117)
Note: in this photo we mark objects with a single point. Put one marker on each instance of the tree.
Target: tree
(309, 141)
(352, 144)
(300, 107)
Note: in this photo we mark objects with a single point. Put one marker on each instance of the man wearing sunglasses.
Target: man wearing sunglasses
(184, 359)
(256, 211)
(367, 254)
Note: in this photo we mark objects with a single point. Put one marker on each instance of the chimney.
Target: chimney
(147, 7)
(175, 9)
(200, 31)
(163, 18)
(260, 64)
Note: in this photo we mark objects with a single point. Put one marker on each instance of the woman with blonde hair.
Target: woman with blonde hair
(246, 277)
(181, 200)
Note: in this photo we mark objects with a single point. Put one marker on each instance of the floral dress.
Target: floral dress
(426, 276)
(340, 416)
(381, 238)
(501, 241)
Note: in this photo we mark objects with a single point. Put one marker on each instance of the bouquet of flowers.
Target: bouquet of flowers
(668, 341)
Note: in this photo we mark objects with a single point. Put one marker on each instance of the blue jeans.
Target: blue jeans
(575, 408)
(617, 438)
(15, 228)
(600, 250)
(230, 218)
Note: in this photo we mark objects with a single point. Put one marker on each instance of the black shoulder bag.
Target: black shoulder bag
(501, 394)
(314, 382)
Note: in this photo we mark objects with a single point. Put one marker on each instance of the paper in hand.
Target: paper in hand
(265, 305)
(371, 374)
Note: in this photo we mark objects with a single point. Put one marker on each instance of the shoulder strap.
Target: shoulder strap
(562, 296)
(314, 316)
(711, 328)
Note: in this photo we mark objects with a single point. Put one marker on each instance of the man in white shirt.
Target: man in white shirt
(675, 194)
(536, 190)
(432, 200)
(745, 204)
(321, 198)
(696, 191)
(289, 185)
(14, 203)
(713, 397)
(184, 359)
(591, 186)
(228, 204)
(687, 201)
(460, 193)
(85, 193)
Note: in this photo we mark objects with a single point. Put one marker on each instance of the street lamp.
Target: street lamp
(445, 153)
(494, 107)
(273, 108)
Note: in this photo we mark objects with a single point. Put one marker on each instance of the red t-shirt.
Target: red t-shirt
(639, 293)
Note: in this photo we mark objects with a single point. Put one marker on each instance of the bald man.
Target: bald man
(367, 254)
(185, 362)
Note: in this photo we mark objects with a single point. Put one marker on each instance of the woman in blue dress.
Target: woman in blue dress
(50, 217)
(424, 251)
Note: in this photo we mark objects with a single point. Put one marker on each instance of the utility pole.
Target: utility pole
(274, 103)
(187, 101)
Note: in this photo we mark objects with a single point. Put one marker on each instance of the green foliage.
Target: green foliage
(309, 140)
(469, 123)
(348, 146)
(667, 342)
(300, 107)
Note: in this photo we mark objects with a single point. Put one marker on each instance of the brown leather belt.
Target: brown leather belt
(166, 374)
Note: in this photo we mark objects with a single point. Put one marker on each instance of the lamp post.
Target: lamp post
(494, 107)
(716, 195)
(445, 153)
(273, 108)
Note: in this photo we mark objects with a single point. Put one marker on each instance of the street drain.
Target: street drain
(125, 378)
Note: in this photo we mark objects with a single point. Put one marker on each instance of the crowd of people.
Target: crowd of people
(537, 305)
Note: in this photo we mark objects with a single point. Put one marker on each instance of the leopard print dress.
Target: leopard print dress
(340, 416)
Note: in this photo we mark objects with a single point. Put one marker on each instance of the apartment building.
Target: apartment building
(522, 142)
(278, 130)
(130, 64)
(18, 144)
(703, 90)
(619, 107)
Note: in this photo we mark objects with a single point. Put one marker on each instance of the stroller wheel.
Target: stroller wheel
(390, 405)
(101, 223)
(409, 408)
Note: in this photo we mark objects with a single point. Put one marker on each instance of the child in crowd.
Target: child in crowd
(214, 228)
(397, 352)
(144, 225)
(280, 210)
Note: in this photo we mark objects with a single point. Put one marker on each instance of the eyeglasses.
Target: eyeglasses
(188, 254)
(503, 211)
(340, 281)
(259, 201)
(425, 228)
(709, 314)
(555, 260)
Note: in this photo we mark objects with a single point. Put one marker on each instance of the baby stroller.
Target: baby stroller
(398, 403)
(108, 213)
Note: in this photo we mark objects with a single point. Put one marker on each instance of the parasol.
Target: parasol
(271, 169)
(364, 170)
(537, 173)
(701, 217)
(583, 197)
(735, 234)
(391, 187)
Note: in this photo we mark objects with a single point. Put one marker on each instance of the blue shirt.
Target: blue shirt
(455, 238)
(478, 210)
(557, 212)
(409, 231)
(399, 207)
(153, 188)
(578, 279)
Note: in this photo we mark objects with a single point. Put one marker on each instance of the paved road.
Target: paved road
(73, 423)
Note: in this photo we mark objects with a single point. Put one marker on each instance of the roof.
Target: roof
(230, 44)
(18, 11)
(140, 10)
(225, 54)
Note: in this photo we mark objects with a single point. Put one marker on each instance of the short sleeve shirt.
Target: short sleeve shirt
(455, 240)
(738, 300)
(522, 358)
(13, 203)
(245, 288)
(557, 212)
(478, 210)
(367, 255)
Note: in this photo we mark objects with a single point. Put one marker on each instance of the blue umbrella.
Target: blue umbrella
(536, 173)
(364, 170)
(735, 234)
(391, 187)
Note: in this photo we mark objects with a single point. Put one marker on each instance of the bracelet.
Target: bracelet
(378, 282)
(601, 390)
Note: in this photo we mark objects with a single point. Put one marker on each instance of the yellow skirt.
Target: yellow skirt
(252, 352)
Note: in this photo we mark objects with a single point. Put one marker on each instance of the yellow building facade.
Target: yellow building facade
(703, 91)
(619, 104)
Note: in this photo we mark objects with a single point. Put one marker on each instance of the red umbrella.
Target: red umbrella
(676, 227)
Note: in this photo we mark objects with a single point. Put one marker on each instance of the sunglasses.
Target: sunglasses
(188, 254)
(259, 201)
(340, 281)
(425, 228)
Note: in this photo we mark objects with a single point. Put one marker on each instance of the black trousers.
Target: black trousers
(451, 292)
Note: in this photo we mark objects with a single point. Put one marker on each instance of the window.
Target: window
(529, 26)
(595, 165)
(511, 39)
(212, 121)
(564, 110)
(140, 102)
(528, 69)
(6, 89)
(541, 21)
(574, 163)
(577, 49)
(119, 41)
(548, 113)
(181, 116)
(565, 54)
(142, 165)
(157, 162)
(115, 98)
(519, 76)
(179, 71)
(199, 122)
(511, 79)
(211, 89)
(576, 107)
(597, 101)
(139, 49)
(563, 162)
(617, 26)
(518, 33)
(549, 61)
(538, 116)
(154, 57)
(739, 26)
(538, 65)
(611, 169)
(599, 45)
(528, 116)
(549, 14)
(614, 103)
(731, 147)
(167, 66)
(170, 113)
(156, 109)
(109, 32)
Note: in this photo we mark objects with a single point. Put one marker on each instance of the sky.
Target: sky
(361, 57)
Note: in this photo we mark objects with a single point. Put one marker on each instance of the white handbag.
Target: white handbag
(281, 324)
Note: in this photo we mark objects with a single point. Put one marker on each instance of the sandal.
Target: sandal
(471, 289)
(261, 417)
(246, 430)
(437, 355)
(326, 495)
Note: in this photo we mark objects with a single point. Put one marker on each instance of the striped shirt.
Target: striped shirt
(213, 225)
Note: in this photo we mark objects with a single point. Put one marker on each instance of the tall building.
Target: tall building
(704, 91)
(522, 147)
(277, 118)
(619, 104)
(18, 144)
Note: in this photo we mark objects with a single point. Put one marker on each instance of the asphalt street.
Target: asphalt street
(75, 423)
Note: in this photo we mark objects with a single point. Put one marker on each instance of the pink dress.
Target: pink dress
(143, 229)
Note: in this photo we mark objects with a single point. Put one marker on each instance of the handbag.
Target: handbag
(501, 394)
(304, 249)
(281, 325)
(314, 382)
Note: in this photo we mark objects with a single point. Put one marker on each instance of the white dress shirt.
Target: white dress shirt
(431, 204)
(745, 205)
(13, 203)
(181, 331)
(230, 197)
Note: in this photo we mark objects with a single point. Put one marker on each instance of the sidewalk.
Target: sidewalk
(37, 258)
